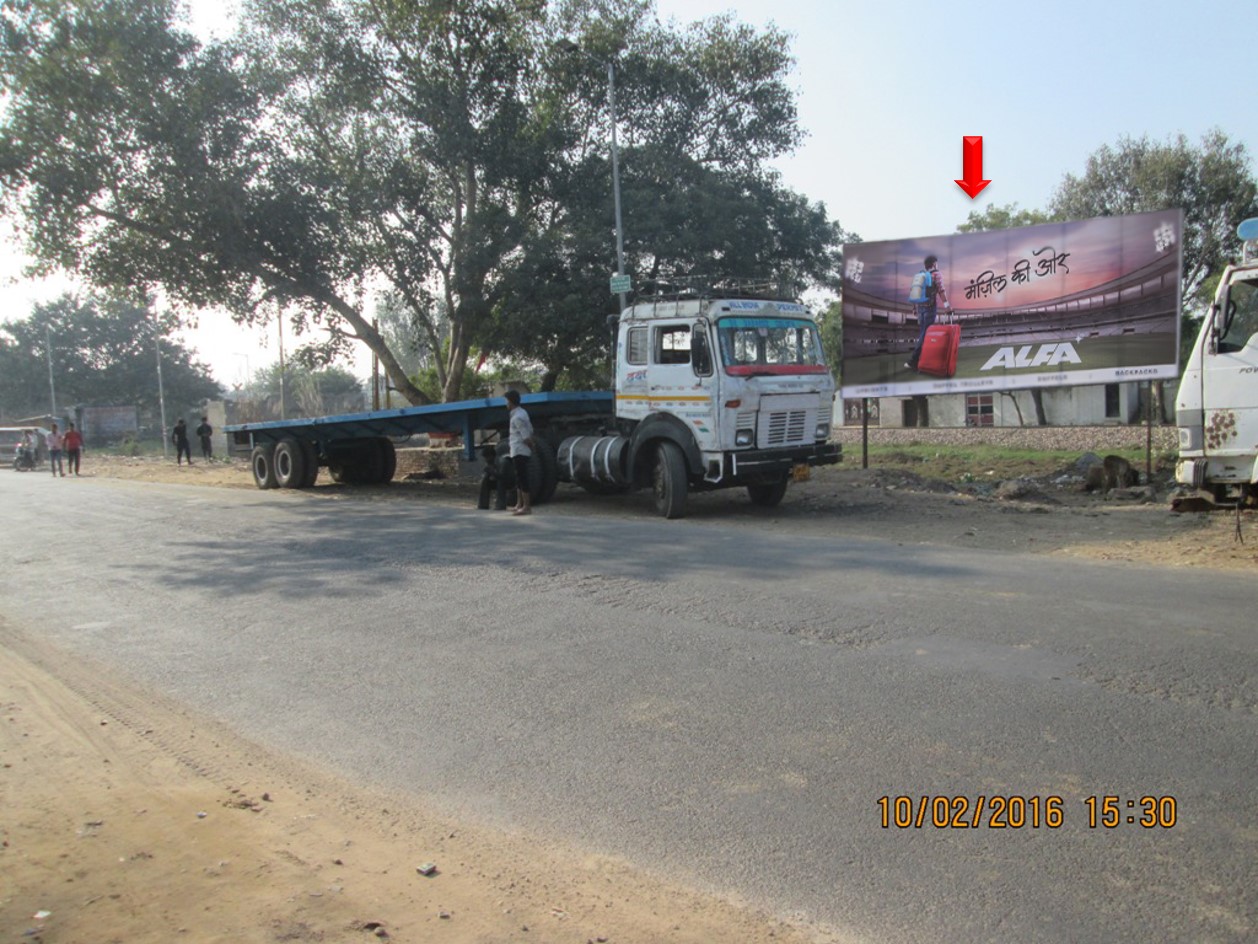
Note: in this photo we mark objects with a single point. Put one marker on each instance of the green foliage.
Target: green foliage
(1213, 182)
(103, 354)
(449, 150)
(995, 216)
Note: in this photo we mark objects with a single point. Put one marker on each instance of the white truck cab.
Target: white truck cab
(713, 392)
(1217, 406)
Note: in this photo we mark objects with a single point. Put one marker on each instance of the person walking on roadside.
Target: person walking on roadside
(204, 432)
(55, 444)
(182, 447)
(73, 442)
(931, 293)
(520, 439)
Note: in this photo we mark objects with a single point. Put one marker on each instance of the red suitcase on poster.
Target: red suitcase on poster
(939, 350)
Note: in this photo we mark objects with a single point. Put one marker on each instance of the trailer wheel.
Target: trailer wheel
(504, 494)
(543, 471)
(310, 457)
(388, 461)
(289, 463)
(262, 462)
(669, 480)
(767, 495)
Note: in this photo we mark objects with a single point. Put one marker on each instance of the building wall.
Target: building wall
(1063, 406)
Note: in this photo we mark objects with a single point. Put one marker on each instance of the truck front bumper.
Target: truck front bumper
(771, 464)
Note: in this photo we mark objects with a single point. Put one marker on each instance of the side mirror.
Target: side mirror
(700, 352)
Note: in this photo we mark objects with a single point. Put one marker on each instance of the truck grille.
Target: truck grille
(787, 421)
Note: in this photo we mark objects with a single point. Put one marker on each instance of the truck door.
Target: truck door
(681, 378)
(1229, 377)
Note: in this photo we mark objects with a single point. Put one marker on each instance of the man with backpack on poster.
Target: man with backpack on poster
(925, 292)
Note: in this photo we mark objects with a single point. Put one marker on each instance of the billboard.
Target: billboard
(1058, 304)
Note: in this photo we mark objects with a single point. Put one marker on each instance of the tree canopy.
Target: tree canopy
(1213, 182)
(103, 353)
(448, 152)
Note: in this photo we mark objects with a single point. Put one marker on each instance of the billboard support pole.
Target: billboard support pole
(864, 432)
(1148, 432)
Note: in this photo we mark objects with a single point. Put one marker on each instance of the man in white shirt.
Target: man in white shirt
(520, 439)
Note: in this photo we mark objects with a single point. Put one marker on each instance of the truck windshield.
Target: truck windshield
(768, 346)
(1240, 319)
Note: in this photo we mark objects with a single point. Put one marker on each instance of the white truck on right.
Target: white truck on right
(1217, 406)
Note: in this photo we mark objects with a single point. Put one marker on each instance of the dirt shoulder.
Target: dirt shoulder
(127, 818)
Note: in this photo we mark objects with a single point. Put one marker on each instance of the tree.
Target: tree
(171, 172)
(103, 352)
(1007, 216)
(1213, 183)
(425, 147)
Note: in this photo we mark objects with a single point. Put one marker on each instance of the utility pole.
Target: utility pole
(620, 239)
(569, 46)
(161, 392)
(279, 319)
(52, 387)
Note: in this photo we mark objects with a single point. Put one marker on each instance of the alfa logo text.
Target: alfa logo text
(1048, 355)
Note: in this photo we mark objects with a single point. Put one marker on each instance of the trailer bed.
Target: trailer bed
(463, 417)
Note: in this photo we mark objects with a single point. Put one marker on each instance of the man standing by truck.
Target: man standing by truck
(520, 439)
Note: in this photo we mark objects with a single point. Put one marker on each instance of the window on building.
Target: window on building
(1112, 410)
(979, 410)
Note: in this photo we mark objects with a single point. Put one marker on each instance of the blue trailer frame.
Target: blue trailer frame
(463, 417)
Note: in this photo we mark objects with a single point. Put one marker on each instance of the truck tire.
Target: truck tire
(388, 461)
(289, 463)
(543, 472)
(767, 495)
(504, 492)
(262, 463)
(310, 456)
(668, 480)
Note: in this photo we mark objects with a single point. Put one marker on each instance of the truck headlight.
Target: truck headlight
(744, 437)
(823, 430)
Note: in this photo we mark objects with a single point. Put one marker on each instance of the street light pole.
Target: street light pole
(52, 387)
(569, 46)
(620, 239)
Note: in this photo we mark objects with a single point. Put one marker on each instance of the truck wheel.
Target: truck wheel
(669, 480)
(310, 456)
(504, 492)
(543, 472)
(388, 461)
(289, 463)
(767, 496)
(262, 462)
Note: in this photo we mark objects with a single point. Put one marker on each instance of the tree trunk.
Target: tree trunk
(366, 333)
(1037, 397)
(549, 379)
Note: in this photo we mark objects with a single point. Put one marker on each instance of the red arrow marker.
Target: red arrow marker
(972, 166)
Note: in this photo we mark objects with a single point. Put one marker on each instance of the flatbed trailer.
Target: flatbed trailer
(718, 389)
(359, 448)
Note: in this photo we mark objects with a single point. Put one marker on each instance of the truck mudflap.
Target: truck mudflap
(761, 464)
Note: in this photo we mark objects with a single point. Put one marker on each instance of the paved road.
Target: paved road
(721, 704)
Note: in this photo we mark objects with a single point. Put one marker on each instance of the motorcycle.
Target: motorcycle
(24, 459)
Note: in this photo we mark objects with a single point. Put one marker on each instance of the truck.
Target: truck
(1217, 406)
(720, 388)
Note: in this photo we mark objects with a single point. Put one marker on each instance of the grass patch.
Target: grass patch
(971, 462)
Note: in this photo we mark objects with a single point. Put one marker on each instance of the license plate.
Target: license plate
(801, 472)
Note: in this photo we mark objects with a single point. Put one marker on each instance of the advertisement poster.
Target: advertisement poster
(1059, 304)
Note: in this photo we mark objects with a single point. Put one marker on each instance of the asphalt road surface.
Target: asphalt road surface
(722, 705)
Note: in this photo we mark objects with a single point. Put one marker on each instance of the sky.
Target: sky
(887, 90)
